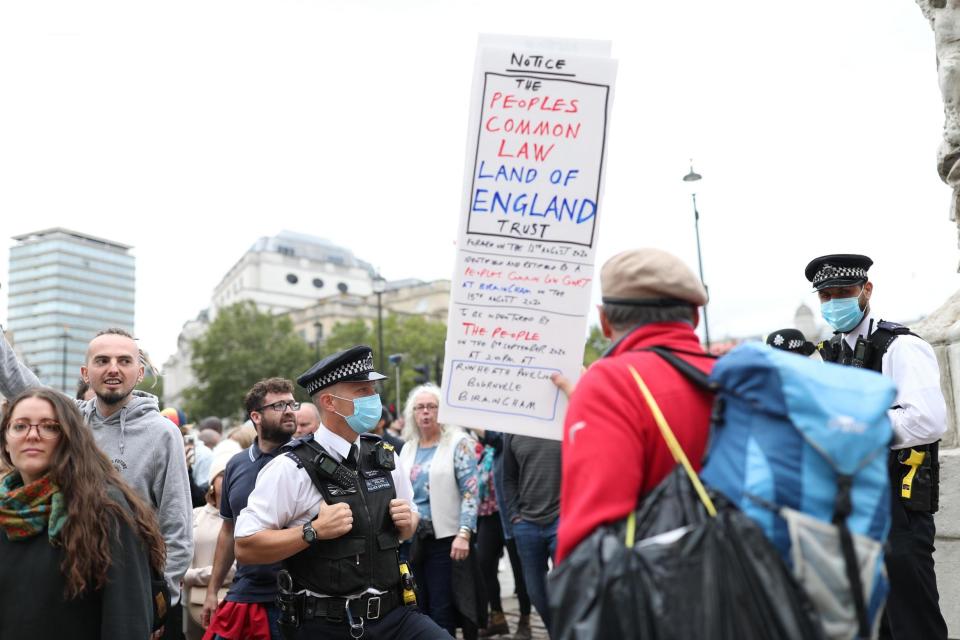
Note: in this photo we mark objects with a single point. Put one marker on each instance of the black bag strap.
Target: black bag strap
(690, 372)
(160, 593)
(842, 508)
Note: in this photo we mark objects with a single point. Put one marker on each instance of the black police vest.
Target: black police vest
(367, 555)
(836, 349)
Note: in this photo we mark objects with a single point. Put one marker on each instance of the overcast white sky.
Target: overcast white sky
(190, 128)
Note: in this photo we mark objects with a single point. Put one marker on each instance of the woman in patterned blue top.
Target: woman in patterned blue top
(443, 471)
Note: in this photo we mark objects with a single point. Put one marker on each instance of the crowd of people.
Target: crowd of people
(180, 531)
(332, 518)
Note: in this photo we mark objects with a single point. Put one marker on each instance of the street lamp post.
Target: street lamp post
(379, 285)
(63, 371)
(317, 337)
(691, 178)
(395, 360)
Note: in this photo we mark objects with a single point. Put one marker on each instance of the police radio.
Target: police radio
(863, 350)
(335, 471)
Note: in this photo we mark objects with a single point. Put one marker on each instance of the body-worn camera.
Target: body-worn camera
(862, 353)
(383, 456)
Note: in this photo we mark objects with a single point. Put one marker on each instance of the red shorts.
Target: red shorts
(239, 621)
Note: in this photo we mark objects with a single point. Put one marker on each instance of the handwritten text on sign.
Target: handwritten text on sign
(525, 256)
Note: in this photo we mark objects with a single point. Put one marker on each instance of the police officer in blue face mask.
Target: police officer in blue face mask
(333, 509)
(919, 420)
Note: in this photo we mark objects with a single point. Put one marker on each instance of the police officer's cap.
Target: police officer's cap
(351, 365)
(838, 270)
(791, 340)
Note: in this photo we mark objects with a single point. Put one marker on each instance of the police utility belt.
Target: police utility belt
(916, 477)
(297, 608)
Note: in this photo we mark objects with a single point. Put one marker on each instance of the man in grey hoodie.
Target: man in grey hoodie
(145, 447)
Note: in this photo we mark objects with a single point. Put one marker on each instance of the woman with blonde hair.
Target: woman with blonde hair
(443, 471)
(76, 543)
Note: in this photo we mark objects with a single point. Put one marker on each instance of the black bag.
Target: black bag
(686, 564)
(688, 575)
(160, 596)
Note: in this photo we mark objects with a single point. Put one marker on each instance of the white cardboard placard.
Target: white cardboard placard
(524, 268)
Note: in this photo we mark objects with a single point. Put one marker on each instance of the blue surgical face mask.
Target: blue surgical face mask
(366, 412)
(843, 314)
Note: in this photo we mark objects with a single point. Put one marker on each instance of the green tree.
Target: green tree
(596, 345)
(243, 345)
(421, 342)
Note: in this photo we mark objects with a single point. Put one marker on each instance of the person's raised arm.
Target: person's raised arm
(14, 375)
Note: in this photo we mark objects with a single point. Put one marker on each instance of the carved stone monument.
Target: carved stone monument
(942, 327)
(944, 17)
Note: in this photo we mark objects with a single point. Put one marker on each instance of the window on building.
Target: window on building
(292, 278)
(342, 287)
(318, 283)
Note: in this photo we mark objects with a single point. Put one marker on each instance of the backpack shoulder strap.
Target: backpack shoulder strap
(690, 372)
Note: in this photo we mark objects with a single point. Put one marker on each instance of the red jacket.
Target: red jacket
(613, 452)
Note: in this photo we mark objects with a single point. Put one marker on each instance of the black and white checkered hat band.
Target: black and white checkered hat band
(778, 341)
(342, 372)
(829, 272)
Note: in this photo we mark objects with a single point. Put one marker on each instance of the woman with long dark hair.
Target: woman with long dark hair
(76, 544)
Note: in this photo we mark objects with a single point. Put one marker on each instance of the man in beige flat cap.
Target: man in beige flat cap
(612, 450)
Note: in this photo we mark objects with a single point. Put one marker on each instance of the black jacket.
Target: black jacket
(32, 603)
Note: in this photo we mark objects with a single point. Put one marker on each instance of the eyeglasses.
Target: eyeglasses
(46, 429)
(425, 407)
(281, 406)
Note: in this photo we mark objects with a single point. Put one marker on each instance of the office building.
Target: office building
(64, 287)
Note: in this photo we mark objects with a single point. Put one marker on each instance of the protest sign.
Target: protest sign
(529, 223)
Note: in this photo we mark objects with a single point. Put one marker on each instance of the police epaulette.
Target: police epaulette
(893, 327)
(295, 458)
(370, 436)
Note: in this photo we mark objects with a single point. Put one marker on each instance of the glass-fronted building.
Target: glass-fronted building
(64, 287)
